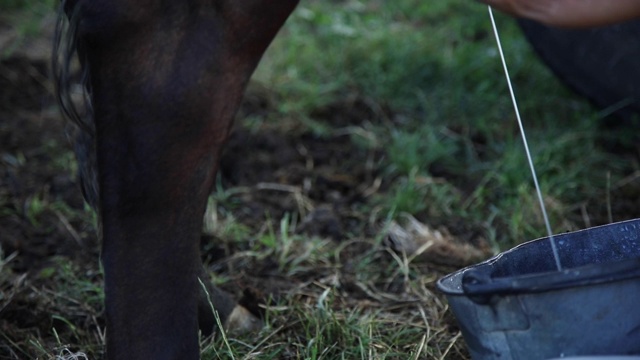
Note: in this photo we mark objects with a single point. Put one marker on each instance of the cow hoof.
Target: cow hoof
(242, 320)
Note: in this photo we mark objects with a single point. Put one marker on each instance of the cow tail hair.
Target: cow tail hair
(73, 94)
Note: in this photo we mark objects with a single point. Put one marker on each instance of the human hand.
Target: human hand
(570, 13)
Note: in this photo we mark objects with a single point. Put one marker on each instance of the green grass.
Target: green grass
(319, 320)
(437, 68)
(26, 19)
(71, 308)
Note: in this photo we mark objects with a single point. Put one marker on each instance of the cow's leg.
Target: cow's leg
(166, 79)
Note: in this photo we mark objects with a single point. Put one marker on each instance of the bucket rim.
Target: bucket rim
(473, 281)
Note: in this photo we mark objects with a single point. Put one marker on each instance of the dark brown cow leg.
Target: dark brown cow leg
(166, 80)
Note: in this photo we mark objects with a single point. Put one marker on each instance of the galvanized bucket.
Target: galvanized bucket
(518, 306)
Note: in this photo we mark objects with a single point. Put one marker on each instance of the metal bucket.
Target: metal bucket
(518, 306)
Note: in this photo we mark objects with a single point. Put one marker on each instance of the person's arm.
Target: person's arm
(570, 13)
